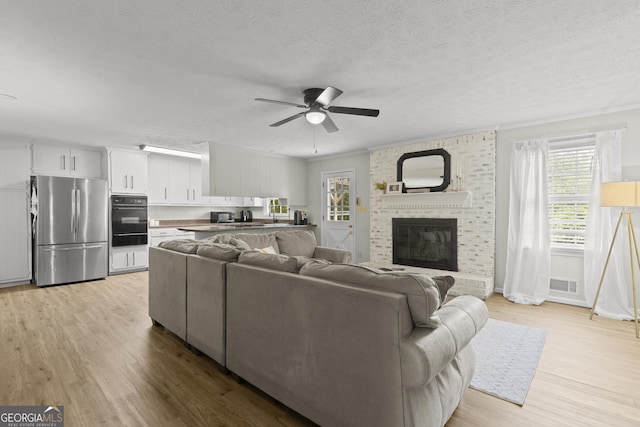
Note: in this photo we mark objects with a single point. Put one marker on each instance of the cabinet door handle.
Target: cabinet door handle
(64, 162)
(74, 162)
(187, 194)
(131, 181)
(133, 255)
(165, 193)
(127, 259)
(126, 181)
(194, 195)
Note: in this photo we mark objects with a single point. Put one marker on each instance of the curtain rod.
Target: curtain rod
(587, 133)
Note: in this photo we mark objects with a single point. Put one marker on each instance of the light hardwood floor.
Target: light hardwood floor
(91, 347)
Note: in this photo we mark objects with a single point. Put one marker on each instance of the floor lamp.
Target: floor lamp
(625, 195)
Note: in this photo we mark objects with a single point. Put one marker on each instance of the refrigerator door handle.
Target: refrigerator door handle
(77, 211)
(73, 213)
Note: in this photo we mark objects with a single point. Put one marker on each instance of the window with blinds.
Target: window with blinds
(569, 184)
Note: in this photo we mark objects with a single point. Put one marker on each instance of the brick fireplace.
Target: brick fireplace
(473, 208)
(426, 242)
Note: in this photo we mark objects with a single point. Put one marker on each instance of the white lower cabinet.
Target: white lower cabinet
(129, 258)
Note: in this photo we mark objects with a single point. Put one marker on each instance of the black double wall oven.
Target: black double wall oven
(128, 220)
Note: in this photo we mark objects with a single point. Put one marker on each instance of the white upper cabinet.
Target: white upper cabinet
(297, 182)
(175, 181)
(127, 172)
(158, 180)
(195, 184)
(59, 160)
(229, 170)
(179, 189)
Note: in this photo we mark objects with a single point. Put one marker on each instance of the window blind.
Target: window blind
(569, 185)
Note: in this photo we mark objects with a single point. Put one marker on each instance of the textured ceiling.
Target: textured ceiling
(180, 73)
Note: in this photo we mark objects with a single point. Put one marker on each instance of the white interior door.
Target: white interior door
(338, 215)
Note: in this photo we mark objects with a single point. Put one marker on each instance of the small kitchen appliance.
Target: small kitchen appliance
(246, 215)
(299, 218)
(222, 217)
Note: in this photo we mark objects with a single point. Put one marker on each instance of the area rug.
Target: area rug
(507, 357)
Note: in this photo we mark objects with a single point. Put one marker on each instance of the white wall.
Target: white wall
(562, 266)
(359, 162)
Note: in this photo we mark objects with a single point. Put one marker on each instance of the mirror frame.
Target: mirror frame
(435, 152)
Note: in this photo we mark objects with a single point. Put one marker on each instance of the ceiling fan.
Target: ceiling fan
(316, 102)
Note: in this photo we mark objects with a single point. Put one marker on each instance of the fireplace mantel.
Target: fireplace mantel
(453, 199)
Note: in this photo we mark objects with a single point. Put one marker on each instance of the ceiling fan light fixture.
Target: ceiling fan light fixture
(315, 117)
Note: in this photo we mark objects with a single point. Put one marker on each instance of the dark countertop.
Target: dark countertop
(239, 226)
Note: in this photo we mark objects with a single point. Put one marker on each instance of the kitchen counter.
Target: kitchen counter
(204, 231)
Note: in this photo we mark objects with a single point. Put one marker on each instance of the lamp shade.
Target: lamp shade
(625, 193)
(315, 117)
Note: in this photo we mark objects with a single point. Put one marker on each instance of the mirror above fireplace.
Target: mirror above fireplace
(424, 171)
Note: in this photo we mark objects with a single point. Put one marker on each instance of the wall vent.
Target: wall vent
(564, 285)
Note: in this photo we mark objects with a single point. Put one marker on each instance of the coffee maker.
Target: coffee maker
(246, 216)
(299, 218)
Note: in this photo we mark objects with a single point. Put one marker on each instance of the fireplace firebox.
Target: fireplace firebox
(426, 242)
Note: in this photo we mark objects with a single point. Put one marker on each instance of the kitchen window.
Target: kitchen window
(276, 207)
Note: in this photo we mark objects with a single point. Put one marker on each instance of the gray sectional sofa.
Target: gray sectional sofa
(341, 344)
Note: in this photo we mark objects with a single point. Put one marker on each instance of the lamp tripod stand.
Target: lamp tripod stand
(633, 246)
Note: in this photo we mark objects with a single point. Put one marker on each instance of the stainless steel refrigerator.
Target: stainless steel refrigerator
(70, 228)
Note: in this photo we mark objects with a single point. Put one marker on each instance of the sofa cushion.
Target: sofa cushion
(228, 239)
(186, 246)
(300, 242)
(259, 240)
(219, 251)
(271, 261)
(421, 291)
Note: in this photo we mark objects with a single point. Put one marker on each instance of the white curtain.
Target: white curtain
(528, 248)
(614, 300)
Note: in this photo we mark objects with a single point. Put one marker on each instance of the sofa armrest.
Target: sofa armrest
(206, 306)
(332, 255)
(168, 289)
(427, 351)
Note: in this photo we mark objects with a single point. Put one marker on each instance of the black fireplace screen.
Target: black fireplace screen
(426, 242)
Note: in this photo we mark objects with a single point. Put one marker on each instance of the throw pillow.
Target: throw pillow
(219, 251)
(229, 239)
(259, 240)
(268, 250)
(301, 242)
(444, 283)
(271, 261)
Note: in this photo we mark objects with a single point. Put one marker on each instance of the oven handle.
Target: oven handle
(129, 234)
(130, 207)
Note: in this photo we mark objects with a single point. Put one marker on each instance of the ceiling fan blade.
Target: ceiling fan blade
(273, 101)
(328, 95)
(355, 111)
(288, 119)
(328, 124)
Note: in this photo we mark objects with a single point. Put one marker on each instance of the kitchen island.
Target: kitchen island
(204, 231)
